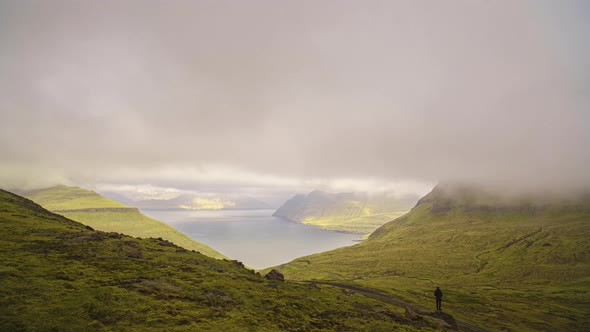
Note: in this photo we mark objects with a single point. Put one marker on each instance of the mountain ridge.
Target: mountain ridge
(488, 251)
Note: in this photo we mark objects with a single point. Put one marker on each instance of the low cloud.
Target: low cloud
(272, 95)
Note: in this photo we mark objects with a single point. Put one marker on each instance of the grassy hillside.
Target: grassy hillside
(59, 275)
(350, 212)
(62, 198)
(107, 215)
(519, 264)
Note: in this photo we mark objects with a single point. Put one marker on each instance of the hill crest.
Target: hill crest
(101, 213)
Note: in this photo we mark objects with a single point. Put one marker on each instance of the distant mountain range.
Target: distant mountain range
(351, 212)
(101, 213)
(505, 262)
(194, 202)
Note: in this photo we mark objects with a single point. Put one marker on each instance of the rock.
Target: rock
(410, 314)
(274, 275)
(165, 243)
(236, 263)
(133, 253)
(440, 324)
(439, 315)
(447, 318)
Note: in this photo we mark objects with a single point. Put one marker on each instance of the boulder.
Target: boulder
(439, 315)
(274, 275)
(439, 324)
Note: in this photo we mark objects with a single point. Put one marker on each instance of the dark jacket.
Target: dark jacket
(438, 293)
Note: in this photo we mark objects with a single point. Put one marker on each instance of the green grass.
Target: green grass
(101, 213)
(501, 264)
(348, 212)
(134, 223)
(58, 275)
(364, 224)
(71, 198)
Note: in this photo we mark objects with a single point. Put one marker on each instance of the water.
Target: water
(254, 237)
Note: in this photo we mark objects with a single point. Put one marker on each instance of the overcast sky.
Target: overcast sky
(267, 95)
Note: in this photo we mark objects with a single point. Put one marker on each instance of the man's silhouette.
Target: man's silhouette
(438, 295)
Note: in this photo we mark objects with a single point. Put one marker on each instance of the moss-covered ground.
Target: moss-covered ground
(59, 275)
(101, 213)
(521, 266)
(364, 224)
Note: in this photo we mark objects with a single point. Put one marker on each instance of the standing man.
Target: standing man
(438, 295)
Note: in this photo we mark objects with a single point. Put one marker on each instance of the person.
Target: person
(438, 295)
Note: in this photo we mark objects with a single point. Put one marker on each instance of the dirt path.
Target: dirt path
(379, 296)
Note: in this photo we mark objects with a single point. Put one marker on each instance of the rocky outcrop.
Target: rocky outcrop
(441, 320)
(274, 275)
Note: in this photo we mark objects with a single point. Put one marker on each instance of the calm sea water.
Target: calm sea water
(254, 237)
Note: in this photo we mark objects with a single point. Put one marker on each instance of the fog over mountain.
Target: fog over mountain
(273, 96)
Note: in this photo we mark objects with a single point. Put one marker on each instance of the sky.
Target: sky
(269, 97)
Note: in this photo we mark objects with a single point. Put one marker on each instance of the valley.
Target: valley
(301, 166)
(57, 274)
(517, 263)
(253, 237)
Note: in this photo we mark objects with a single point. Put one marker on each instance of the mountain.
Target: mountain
(350, 212)
(107, 215)
(195, 202)
(59, 275)
(505, 262)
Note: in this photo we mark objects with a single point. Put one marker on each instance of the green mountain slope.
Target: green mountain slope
(520, 263)
(58, 275)
(101, 213)
(350, 212)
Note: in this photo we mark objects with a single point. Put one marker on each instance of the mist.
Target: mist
(287, 96)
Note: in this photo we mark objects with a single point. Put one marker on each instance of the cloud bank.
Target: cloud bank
(273, 94)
